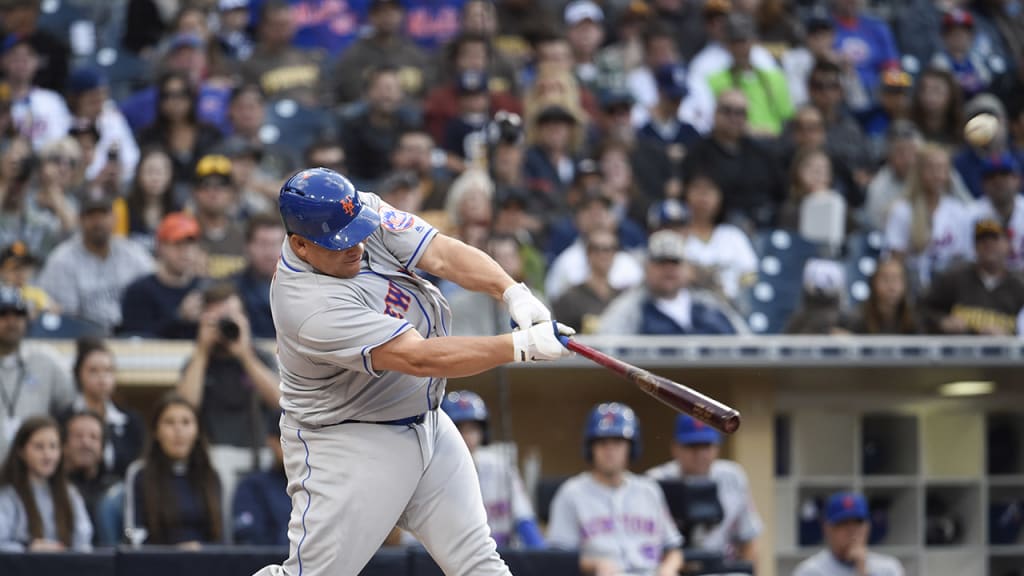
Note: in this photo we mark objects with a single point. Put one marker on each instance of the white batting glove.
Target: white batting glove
(540, 342)
(524, 308)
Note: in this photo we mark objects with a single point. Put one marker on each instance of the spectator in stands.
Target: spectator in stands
(95, 379)
(385, 44)
(83, 462)
(764, 86)
(903, 143)
(326, 153)
(177, 127)
(151, 196)
(865, 44)
(960, 56)
(18, 269)
(264, 235)
(145, 24)
(614, 122)
(1003, 203)
(928, 226)
(999, 27)
(38, 113)
(165, 304)
(665, 304)
(33, 380)
(261, 508)
(231, 384)
(970, 162)
(847, 528)
(619, 184)
(685, 24)
(484, 316)
(751, 182)
(937, 108)
(247, 116)
(813, 207)
(660, 49)
(549, 163)
(469, 207)
(821, 299)
(587, 507)
(431, 24)
(889, 309)
(415, 155)
(817, 45)
(22, 220)
(625, 52)
(894, 101)
(507, 54)
(87, 274)
(844, 138)
(666, 135)
(56, 187)
(371, 131)
(281, 69)
(222, 238)
(983, 298)
(39, 510)
(592, 212)
(719, 254)
(89, 99)
(173, 494)
(233, 31)
(582, 305)
(917, 26)
(695, 455)
(465, 135)
(21, 18)
(584, 23)
(331, 30)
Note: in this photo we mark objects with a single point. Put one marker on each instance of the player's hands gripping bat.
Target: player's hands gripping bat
(541, 342)
(524, 308)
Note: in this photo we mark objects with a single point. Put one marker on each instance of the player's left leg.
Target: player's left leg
(446, 512)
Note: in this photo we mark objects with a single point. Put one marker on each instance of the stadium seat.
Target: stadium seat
(62, 327)
(777, 291)
(862, 253)
(293, 126)
(125, 71)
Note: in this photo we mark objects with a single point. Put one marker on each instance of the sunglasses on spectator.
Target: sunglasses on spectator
(733, 110)
(666, 260)
(5, 312)
(602, 248)
(617, 110)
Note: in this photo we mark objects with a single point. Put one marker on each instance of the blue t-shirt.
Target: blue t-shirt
(329, 25)
(869, 44)
(431, 23)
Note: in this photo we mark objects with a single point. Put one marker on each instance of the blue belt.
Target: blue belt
(418, 419)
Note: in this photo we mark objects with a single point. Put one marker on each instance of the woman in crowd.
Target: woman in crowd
(719, 253)
(95, 380)
(152, 195)
(177, 127)
(937, 108)
(888, 310)
(928, 226)
(39, 510)
(814, 207)
(173, 495)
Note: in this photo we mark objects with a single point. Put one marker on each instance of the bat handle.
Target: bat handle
(564, 340)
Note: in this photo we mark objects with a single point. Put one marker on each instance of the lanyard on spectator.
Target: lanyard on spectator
(11, 402)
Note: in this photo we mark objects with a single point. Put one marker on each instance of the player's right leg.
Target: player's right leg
(349, 485)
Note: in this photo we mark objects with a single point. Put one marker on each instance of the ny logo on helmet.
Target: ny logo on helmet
(348, 206)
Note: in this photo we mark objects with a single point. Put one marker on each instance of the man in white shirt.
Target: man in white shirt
(846, 537)
(89, 99)
(39, 114)
(1003, 202)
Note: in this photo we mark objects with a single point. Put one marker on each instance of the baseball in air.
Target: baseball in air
(981, 129)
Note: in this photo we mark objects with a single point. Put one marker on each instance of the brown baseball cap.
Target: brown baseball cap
(986, 228)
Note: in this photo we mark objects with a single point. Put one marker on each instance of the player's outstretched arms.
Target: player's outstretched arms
(455, 356)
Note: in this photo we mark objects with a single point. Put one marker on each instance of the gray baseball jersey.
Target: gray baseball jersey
(630, 524)
(740, 522)
(503, 493)
(327, 328)
(825, 564)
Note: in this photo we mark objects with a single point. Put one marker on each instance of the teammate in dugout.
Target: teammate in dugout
(846, 537)
(619, 522)
(695, 453)
(508, 507)
(364, 352)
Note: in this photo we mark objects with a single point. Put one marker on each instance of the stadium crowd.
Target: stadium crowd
(668, 167)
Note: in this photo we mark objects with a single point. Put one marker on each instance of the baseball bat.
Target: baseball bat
(673, 394)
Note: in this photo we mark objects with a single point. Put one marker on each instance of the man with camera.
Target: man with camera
(232, 384)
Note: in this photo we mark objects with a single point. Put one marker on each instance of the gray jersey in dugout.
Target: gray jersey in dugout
(825, 564)
(327, 327)
(630, 524)
(740, 522)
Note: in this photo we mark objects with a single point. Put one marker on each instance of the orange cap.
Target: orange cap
(177, 226)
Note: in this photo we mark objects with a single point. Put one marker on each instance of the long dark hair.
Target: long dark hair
(953, 119)
(136, 200)
(85, 347)
(161, 124)
(874, 322)
(158, 495)
(15, 474)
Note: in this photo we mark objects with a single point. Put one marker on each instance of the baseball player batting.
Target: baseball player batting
(364, 352)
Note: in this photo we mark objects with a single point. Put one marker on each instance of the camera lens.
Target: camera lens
(229, 329)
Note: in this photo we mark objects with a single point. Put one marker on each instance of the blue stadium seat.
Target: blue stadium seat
(777, 291)
(862, 253)
(63, 327)
(293, 126)
(126, 71)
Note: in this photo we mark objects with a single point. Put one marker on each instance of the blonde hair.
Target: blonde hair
(920, 214)
(470, 180)
(534, 102)
(66, 146)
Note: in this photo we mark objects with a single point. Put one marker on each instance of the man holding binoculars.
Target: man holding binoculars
(232, 384)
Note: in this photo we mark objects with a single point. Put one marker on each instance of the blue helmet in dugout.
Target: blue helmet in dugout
(612, 420)
(465, 406)
(324, 207)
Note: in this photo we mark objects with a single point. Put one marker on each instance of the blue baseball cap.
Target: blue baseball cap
(689, 430)
(671, 79)
(85, 79)
(11, 300)
(843, 506)
(12, 40)
(999, 163)
(184, 41)
(471, 82)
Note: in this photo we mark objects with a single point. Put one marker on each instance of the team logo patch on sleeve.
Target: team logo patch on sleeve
(396, 220)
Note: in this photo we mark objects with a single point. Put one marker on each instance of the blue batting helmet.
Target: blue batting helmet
(466, 406)
(612, 420)
(324, 207)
